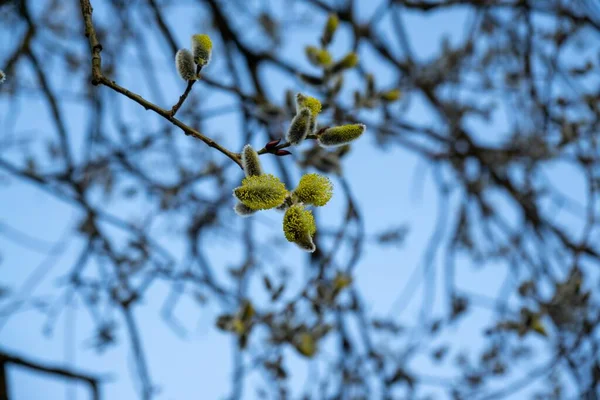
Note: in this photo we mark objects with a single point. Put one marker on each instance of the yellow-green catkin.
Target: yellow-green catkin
(314, 189)
(349, 61)
(299, 227)
(318, 57)
(330, 27)
(341, 135)
(184, 61)
(261, 192)
(313, 104)
(251, 161)
(390, 95)
(2, 76)
(299, 127)
(201, 49)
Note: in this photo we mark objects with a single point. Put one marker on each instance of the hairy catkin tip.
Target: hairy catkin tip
(314, 189)
(2, 76)
(341, 135)
(261, 192)
(299, 227)
(299, 127)
(243, 210)
(251, 162)
(201, 49)
(184, 61)
(306, 344)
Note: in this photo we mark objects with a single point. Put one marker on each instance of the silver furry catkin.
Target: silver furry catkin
(184, 61)
(299, 127)
(250, 161)
(243, 210)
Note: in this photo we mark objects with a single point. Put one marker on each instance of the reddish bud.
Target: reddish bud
(272, 144)
(282, 153)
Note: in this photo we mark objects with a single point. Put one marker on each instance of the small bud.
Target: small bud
(370, 85)
(330, 27)
(246, 312)
(314, 189)
(299, 227)
(350, 61)
(201, 49)
(251, 162)
(184, 62)
(337, 85)
(282, 153)
(290, 102)
(341, 281)
(299, 127)
(243, 210)
(390, 95)
(261, 192)
(272, 144)
(340, 135)
(2, 76)
(357, 99)
(318, 57)
(305, 344)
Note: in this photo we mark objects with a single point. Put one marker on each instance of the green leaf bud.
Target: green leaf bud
(330, 27)
(299, 227)
(184, 61)
(340, 135)
(390, 95)
(251, 162)
(349, 61)
(318, 57)
(299, 127)
(261, 192)
(314, 189)
(201, 49)
(243, 210)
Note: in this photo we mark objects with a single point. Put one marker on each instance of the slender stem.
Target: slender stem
(65, 373)
(182, 98)
(185, 94)
(99, 79)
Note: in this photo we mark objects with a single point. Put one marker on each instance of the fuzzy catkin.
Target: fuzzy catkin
(299, 127)
(341, 135)
(251, 162)
(184, 61)
(201, 49)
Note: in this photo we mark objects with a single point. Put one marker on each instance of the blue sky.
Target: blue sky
(385, 183)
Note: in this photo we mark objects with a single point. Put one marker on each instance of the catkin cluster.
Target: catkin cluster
(190, 63)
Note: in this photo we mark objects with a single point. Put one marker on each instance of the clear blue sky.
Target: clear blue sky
(199, 366)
